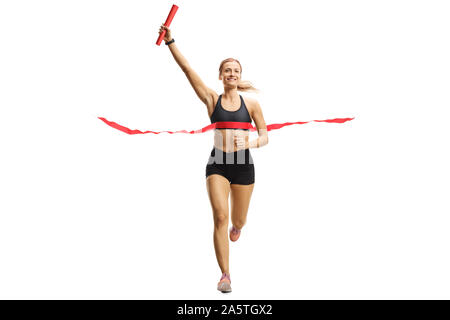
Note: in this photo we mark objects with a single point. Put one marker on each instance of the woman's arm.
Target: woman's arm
(263, 138)
(258, 118)
(203, 92)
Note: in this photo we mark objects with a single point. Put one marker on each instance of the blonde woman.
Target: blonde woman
(230, 170)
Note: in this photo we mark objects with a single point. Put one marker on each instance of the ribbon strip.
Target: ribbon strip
(219, 125)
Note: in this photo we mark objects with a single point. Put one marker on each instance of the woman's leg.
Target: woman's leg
(218, 191)
(240, 201)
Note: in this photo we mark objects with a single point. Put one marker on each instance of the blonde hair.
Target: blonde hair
(242, 85)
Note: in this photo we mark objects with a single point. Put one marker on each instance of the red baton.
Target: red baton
(167, 23)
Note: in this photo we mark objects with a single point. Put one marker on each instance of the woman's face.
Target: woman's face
(231, 74)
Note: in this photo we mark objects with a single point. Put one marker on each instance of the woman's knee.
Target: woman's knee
(239, 222)
(220, 218)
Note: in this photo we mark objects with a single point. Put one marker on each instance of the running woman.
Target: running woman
(230, 170)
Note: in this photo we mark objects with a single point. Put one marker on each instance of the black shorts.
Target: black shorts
(237, 166)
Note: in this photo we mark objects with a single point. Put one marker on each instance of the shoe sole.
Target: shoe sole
(224, 288)
(233, 240)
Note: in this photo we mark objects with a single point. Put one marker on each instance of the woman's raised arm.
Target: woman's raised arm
(203, 92)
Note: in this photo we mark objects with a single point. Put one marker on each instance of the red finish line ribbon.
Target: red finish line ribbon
(219, 125)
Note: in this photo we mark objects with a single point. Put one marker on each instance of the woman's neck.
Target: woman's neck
(230, 94)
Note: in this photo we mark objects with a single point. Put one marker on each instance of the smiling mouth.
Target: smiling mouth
(229, 79)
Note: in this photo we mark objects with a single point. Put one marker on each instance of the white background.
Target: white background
(339, 211)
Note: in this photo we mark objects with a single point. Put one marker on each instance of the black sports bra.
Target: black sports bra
(220, 114)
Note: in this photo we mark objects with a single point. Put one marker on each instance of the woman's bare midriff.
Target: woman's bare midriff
(224, 138)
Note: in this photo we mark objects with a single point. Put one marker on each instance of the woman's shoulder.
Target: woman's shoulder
(250, 103)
